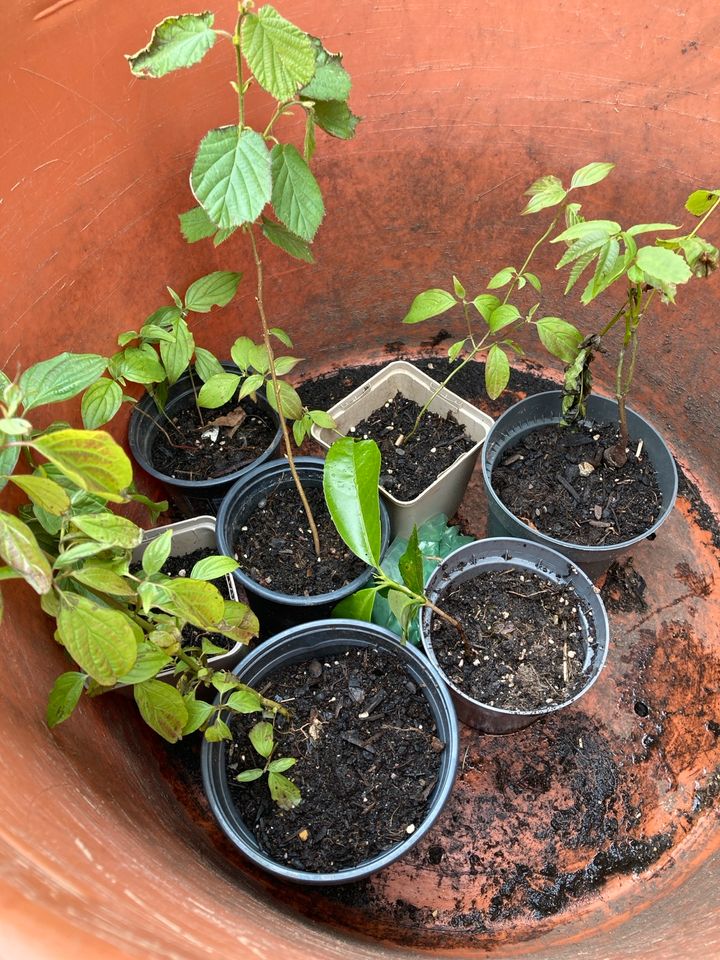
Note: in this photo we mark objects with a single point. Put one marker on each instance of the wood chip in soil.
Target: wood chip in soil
(367, 756)
(201, 451)
(555, 480)
(274, 545)
(408, 469)
(528, 648)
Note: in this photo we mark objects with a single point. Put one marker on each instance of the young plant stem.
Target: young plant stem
(195, 394)
(238, 59)
(276, 390)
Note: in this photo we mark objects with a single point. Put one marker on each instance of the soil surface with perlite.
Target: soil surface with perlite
(211, 443)
(524, 645)
(274, 545)
(557, 481)
(409, 468)
(367, 757)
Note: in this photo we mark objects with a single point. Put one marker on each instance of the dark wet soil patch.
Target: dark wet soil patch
(409, 467)
(623, 589)
(525, 649)
(201, 450)
(702, 514)
(557, 481)
(367, 760)
(274, 545)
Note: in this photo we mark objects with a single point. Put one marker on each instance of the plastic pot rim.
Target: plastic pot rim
(350, 633)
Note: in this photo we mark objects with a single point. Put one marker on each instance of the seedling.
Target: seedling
(647, 270)
(239, 171)
(283, 791)
(502, 318)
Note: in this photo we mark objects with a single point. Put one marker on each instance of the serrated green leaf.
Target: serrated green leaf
(210, 568)
(196, 225)
(410, 564)
(218, 731)
(206, 364)
(578, 268)
(156, 553)
(331, 81)
(150, 661)
(663, 265)
(336, 118)
(60, 378)
(429, 303)
(162, 708)
(559, 338)
(700, 201)
(19, 548)
(281, 764)
(281, 237)
(605, 270)
(176, 354)
(591, 173)
(292, 406)
(606, 228)
(545, 192)
(198, 711)
(296, 197)
(283, 791)
(262, 738)
(64, 697)
(139, 366)
(280, 55)
(590, 243)
(175, 43)
(214, 290)
(245, 701)
(109, 529)
(100, 640)
(195, 601)
(485, 303)
(232, 176)
(358, 606)
(649, 228)
(218, 390)
(497, 371)
(350, 483)
(502, 316)
(501, 278)
(8, 461)
(44, 493)
(79, 551)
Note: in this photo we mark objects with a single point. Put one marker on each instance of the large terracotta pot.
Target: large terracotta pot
(464, 105)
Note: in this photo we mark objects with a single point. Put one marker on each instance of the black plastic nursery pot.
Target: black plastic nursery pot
(500, 554)
(277, 610)
(322, 639)
(190, 497)
(541, 410)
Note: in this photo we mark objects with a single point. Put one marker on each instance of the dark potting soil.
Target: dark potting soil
(556, 480)
(525, 633)
(226, 439)
(274, 545)
(367, 761)
(182, 567)
(410, 468)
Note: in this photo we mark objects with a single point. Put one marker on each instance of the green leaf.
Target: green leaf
(590, 243)
(649, 228)
(336, 118)
(546, 192)
(410, 565)
(176, 354)
(300, 430)
(139, 366)
(501, 278)
(358, 606)
(198, 711)
(80, 551)
(218, 390)
(245, 701)
(15, 426)
(430, 303)
(196, 601)
(176, 42)
(455, 350)
(331, 80)
(218, 731)
(502, 316)
(559, 338)
(282, 336)
(231, 177)
(485, 303)
(150, 661)
(210, 568)
(60, 378)
(281, 237)
(458, 288)
(700, 201)
(279, 54)
(196, 225)
(162, 708)
(215, 290)
(296, 196)
(156, 553)
(20, 549)
(241, 352)
(206, 364)
(322, 419)
(497, 371)
(605, 271)
(44, 493)
(608, 228)
(259, 357)
(309, 141)
(534, 281)
(281, 764)
(262, 738)
(283, 791)
(350, 483)
(592, 173)
(8, 461)
(100, 640)
(103, 580)
(663, 265)
(100, 402)
(247, 776)
(64, 697)
(403, 608)
(250, 385)
(579, 267)
(109, 529)
(283, 365)
(290, 401)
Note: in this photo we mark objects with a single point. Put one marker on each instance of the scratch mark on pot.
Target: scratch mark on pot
(75, 93)
(83, 849)
(110, 203)
(513, 176)
(53, 8)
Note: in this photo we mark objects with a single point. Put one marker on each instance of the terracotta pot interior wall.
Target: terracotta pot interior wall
(463, 107)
